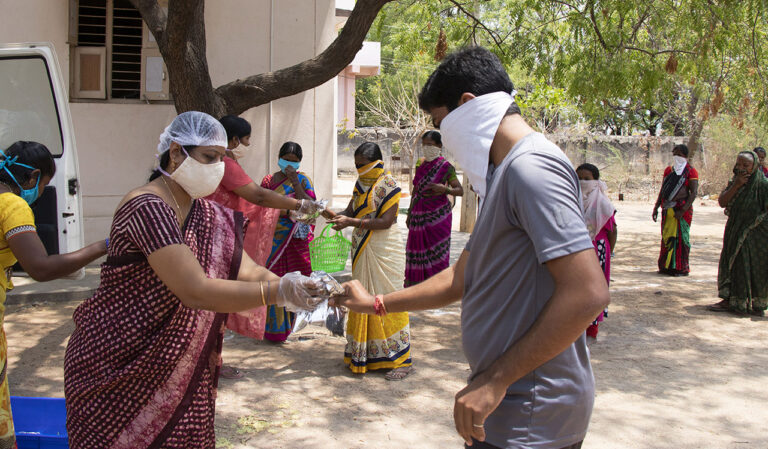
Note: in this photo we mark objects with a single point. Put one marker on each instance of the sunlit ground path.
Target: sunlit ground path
(669, 373)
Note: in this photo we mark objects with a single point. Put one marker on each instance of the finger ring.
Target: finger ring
(478, 425)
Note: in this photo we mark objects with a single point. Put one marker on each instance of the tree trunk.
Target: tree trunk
(695, 126)
(184, 55)
(694, 142)
(468, 208)
(181, 39)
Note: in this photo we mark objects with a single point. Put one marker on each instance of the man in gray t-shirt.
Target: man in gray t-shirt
(529, 277)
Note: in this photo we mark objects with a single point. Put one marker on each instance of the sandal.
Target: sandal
(721, 306)
(230, 372)
(399, 373)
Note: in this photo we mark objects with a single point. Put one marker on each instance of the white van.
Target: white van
(34, 106)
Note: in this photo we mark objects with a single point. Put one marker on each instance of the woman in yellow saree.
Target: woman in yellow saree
(26, 168)
(378, 262)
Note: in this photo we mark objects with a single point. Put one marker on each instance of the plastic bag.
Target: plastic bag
(330, 317)
(309, 211)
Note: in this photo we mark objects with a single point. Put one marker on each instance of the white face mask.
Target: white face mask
(431, 152)
(679, 165)
(238, 152)
(468, 132)
(196, 178)
(587, 186)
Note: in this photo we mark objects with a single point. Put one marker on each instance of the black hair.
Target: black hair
(434, 136)
(590, 168)
(475, 70)
(759, 150)
(28, 153)
(235, 126)
(682, 148)
(165, 158)
(290, 148)
(370, 151)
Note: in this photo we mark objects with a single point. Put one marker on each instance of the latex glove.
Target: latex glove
(297, 292)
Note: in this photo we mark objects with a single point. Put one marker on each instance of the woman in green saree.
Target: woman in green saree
(742, 279)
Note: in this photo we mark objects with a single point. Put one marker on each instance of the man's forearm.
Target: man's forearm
(438, 291)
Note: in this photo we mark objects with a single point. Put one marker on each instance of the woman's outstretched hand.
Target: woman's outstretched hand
(356, 298)
(340, 222)
(297, 292)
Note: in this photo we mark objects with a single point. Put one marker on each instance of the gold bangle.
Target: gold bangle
(261, 287)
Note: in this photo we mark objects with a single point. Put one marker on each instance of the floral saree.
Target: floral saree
(289, 252)
(378, 262)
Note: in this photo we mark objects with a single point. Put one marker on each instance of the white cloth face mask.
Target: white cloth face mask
(468, 132)
(679, 165)
(431, 152)
(198, 179)
(237, 153)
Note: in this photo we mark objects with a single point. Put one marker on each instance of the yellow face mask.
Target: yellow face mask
(369, 173)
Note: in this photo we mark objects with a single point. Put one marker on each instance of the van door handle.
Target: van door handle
(67, 214)
(73, 184)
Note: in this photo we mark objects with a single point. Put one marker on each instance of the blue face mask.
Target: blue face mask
(28, 195)
(283, 164)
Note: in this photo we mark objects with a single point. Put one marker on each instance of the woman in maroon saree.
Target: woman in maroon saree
(142, 365)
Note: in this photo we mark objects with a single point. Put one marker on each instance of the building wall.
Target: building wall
(117, 142)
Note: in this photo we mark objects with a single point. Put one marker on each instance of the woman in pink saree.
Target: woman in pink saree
(261, 207)
(428, 249)
(142, 365)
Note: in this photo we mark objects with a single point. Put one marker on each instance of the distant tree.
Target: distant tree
(624, 66)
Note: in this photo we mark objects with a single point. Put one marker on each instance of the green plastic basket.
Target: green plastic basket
(329, 253)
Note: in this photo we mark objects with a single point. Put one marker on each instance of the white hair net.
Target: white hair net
(193, 128)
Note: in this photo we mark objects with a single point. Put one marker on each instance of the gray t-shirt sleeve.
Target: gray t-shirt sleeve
(543, 200)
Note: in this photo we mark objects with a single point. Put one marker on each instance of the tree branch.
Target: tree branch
(594, 25)
(153, 16)
(659, 52)
(755, 54)
(479, 22)
(241, 95)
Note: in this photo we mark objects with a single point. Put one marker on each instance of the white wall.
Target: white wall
(117, 142)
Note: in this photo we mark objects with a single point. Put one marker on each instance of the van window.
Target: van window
(27, 104)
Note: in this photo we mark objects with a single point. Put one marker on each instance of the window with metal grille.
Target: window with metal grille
(92, 23)
(126, 50)
(114, 56)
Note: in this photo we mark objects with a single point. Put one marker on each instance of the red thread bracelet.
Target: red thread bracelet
(378, 305)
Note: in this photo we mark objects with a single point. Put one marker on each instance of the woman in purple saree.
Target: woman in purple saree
(429, 217)
(142, 365)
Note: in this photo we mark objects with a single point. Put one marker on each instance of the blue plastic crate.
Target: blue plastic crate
(40, 423)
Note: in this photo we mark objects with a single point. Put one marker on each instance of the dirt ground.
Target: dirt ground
(669, 373)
